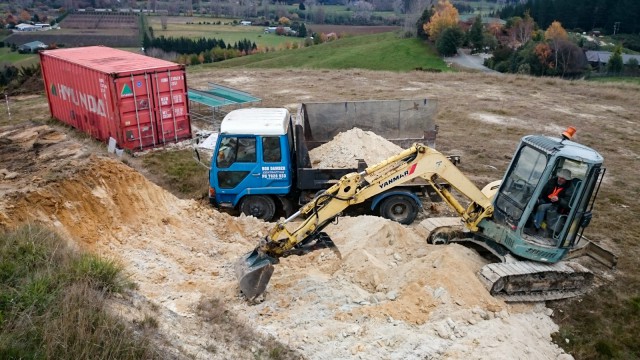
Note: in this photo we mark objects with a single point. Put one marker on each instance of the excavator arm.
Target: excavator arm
(255, 268)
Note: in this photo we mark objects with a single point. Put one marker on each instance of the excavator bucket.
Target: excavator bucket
(254, 271)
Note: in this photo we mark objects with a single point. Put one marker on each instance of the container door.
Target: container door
(171, 106)
(136, 110)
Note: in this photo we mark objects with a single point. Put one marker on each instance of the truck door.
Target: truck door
(237, 169)
(276, 176)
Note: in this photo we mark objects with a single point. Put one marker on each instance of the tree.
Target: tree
(449, 41)
(555, 34)
(362, 11)
(25, 16)
(475, 35)
(571, 59)
(445, 16)
(302, 31)
(521, 28)
(543, 53)
(424, 18)
(615, 64)
(284, 21)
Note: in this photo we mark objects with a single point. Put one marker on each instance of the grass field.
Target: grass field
(374, 52)
(16, 59)
(178, 27)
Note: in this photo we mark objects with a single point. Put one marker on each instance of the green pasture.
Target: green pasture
(228, 33)
(16, 59)
(384, 51)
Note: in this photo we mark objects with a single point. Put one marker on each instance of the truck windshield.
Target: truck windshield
(236, 149)
(518, 187)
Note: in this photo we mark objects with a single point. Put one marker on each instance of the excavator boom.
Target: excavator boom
(255, 268)
(532, 266)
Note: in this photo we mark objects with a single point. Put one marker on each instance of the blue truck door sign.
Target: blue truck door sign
(275, 164)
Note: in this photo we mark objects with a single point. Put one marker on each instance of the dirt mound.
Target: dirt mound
(346, 147)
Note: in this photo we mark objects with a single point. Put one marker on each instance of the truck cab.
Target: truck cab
(252, 160)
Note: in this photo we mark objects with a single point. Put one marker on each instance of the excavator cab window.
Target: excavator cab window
(519, 184)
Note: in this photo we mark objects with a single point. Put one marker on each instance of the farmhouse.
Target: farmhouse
(599, 59)
(274, 30)
(32, 47)
(25, 27)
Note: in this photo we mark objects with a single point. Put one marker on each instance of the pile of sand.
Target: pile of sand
(390, 296)
(346, 147)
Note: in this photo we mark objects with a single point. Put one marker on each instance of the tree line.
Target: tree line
(183, 45)
(610, 16)
(520, 46)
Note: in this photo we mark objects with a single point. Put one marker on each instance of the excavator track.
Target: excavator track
(531, 281)
(513, 280)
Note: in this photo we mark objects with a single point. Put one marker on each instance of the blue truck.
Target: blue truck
(261, 166)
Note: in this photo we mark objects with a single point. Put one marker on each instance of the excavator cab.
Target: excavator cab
(538, 160)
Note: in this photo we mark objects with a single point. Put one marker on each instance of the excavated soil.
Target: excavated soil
(390, 296)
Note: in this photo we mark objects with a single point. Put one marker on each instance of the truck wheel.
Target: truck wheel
(399, 208)
(259, 206)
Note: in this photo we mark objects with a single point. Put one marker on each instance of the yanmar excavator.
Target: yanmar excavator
(530, 267)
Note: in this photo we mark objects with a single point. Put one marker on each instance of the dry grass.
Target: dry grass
(53, 302)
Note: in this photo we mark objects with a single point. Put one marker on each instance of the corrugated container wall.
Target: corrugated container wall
(138, 100)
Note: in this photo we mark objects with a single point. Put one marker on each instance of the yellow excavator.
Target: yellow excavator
(532, 265)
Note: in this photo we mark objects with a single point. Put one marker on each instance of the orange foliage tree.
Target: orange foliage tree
(445, 16)
(543, 52)
(555, 34)
(25, 16)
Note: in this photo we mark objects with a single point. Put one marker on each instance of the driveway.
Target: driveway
(475, 62)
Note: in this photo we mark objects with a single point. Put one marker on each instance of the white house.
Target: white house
(25, 27)
(245, 23)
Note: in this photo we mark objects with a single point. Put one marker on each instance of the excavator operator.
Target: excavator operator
(555, 195)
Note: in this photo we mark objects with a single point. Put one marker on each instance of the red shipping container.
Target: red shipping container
(138, 100)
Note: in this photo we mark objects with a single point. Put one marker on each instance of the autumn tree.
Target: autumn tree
(543, 53)
(25, 16)
(445, 16)
(284, 21)
(555, 34)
